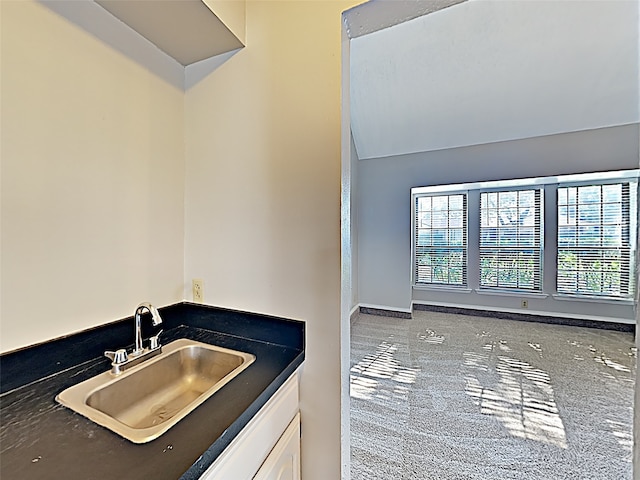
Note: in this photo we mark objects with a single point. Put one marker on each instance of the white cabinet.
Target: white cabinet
(283, 463)
(272, 437)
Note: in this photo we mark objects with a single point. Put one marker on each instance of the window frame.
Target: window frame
(538, 235)
(627, 233)
(464, 247)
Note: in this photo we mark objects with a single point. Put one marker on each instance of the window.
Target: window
(510, 239)
(440, 253)
(595, 224)
(497, 238)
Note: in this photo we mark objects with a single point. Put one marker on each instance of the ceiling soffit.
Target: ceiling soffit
(187, 30)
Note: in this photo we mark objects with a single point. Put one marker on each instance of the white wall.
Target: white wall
(354, 163)
(384, 228)
(92, 179)
(494, 70)
(263, 194)
(232, 14)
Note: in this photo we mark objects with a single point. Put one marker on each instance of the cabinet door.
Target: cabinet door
(250, 449)
(283, 463)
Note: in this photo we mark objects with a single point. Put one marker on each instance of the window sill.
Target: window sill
(511, 293)
(444, 288)
(584, 298)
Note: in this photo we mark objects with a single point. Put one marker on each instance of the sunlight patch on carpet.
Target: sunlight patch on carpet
(523, 400)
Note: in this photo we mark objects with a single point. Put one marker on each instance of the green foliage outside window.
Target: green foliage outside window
(441, 266)
(588, 274)
(514, 269)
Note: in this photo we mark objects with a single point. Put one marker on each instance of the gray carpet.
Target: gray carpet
(444, 396)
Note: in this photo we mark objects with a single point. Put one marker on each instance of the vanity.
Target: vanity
(249, 428)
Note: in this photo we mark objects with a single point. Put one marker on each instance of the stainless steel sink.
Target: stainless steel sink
(144, 402)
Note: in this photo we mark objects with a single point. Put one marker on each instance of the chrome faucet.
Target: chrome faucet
(156, 320)
(120, 359)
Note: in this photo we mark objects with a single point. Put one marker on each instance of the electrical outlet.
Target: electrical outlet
(198, 290)
(524, 304)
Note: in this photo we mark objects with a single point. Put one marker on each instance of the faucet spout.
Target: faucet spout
(156, 320)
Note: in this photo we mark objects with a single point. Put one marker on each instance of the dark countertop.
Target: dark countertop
(40, 439)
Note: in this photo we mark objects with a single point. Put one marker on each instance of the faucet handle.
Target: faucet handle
(117, 357)
(154, 342)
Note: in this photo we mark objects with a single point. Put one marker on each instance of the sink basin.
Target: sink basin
(145, 401)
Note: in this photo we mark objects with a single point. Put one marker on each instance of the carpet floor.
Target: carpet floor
(444, 396)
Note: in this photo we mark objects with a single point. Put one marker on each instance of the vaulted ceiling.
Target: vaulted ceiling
(486, 71)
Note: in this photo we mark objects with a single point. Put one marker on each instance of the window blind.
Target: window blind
(440, 243)
(510, 239)
(595, 241)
